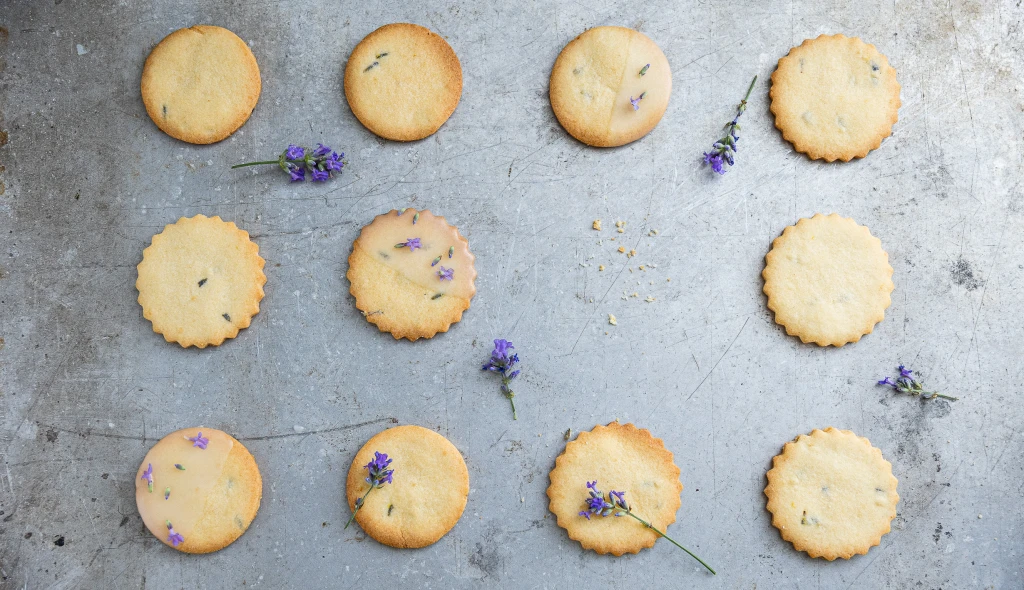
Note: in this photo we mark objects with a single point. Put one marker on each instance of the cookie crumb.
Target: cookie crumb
(632, 253)
(597, 224)
(600, 267)
(641, 267)
(653, 232)
(611, 320)
(622, 250)
(649, 299)
(635, 294)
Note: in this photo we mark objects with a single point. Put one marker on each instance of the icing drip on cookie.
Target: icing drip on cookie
(434, 239)
(183, 493)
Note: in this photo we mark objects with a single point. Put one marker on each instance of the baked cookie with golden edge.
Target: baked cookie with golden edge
(427, 494)
(198, 490)
(610, 86)
(835, 98)
(200, 84)
(411, 273)
(403, 81)
(625, 458)
(200, 281)
(827, 280)
(831, 494)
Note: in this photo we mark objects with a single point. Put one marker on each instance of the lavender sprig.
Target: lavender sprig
(147, 476)
(411, 243)
(379, 474)
(321, 163)
(502, 361)
(906, 383)
(616, 505)
(724, 149)
(199, 440)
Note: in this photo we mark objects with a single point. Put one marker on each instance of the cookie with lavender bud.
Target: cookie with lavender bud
(407, 487)
(610, 86)
(200, 84)
(831, 494)
(403, 81)
(411, 274)
(828, 280)
(200, 281)
(198, 490)
(835, 98)
(625, 458)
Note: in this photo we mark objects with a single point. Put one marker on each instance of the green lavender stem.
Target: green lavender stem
(359, 504)
(648, 525)
(256, 163)
(510, 395)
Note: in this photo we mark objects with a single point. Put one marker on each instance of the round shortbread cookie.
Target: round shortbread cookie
(426, 496)
(411, 291)
(831, 494)
(827, 280)
(403, 81)
(200, 84)
(619, 457)
(835, 98)
(208, 495)
(200, 281)
(596, 83)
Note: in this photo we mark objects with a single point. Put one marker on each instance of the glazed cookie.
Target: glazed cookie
(835, 98)
(620, 457)
(831, 494)
(200, 84)
(610, 86)
(200, 281)
(827, 280)
(411, 273)
(403, 81)
(427, 493)
(198, 490)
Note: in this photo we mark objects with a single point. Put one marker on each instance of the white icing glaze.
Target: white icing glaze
(189, 488)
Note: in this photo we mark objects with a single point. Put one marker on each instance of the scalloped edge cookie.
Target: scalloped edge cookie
(796, 304)
(620, 457)
(792, 108)
(791, 496)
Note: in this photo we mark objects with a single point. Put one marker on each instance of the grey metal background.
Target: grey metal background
(87, 387)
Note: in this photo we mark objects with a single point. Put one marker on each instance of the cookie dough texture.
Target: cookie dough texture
(200, 281)
(397, 289)
(211, 502)
(200, 84)
(428, 492)
(403, 81)
(597, 74)
(831, 494)
(620, 457)
(835, 98)
(827, 280)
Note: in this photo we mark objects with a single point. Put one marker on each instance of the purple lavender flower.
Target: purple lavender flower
(322, 163)
(446, 274)
(147, 475)
(173, 536)
(906, 383)
(636, 101)
(502, 361)
(378, 470)
(379, 474)
(411, 244)
(615, 505)
(723, 150)
(199, 440)
(179, 467)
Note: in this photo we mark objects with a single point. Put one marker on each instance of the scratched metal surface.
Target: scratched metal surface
(87, 387)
